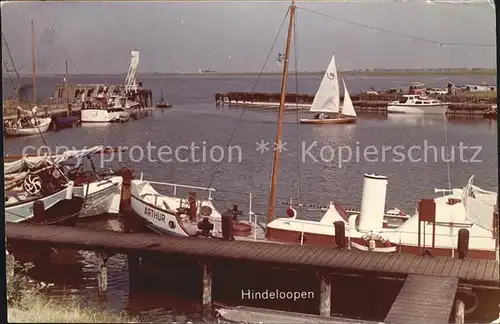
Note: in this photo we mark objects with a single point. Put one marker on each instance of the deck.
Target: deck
(397, 265)
(423, 299)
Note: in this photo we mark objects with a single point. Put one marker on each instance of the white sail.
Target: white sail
(327, 98)
(347, 107)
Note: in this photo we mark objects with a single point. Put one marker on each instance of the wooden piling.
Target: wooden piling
(459, 312)
(207, 286)
(39, 211)
(134, 265)
(325, 294)
(102, 272)
(125, 199)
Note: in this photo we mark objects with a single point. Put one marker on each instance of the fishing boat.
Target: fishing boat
(38, 180)
(417, 104)
(326, 102)
(32, 178)
(113, 108)
(162, 103)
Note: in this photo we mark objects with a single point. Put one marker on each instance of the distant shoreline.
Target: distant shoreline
(374, 73)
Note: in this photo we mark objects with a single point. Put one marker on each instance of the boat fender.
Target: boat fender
(463, 243)
(291, 212)
(471, 301)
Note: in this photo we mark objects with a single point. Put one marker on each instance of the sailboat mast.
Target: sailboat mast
(68, 106)
(281, 114)
(35, 99)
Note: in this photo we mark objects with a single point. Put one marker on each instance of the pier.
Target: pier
(460, 105)
(59, 106)
(420, 272)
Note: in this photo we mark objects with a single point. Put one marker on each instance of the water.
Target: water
(195, 118)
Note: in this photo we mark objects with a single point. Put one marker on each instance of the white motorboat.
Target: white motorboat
(417, 104)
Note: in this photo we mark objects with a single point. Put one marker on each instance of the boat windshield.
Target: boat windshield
(403, 100)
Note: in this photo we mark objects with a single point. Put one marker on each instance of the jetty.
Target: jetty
(460, 105)
(426, 278)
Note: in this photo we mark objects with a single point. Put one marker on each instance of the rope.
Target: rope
(296, 67)
(57, 37)
(243, 111)
(427, 40)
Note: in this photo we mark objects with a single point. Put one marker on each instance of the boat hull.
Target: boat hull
(58, 210)
(418, 110)
(42, 128)
(101, 116)
(99, 196)
(320, 239)
(24, 211)
(339, 120)
(156, 218)
(163, 105)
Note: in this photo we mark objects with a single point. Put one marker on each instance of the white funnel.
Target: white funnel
(373, 203)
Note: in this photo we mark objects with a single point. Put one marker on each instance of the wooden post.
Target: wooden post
(325, 294)
(133, 269)
(102, 272)
(459, 312)
(38, 211)
(125, 198)
(207, 286)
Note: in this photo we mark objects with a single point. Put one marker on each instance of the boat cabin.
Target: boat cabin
(418, 100)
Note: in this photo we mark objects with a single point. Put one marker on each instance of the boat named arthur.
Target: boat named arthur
(150, 212)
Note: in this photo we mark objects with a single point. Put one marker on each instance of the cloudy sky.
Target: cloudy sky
(237, 36)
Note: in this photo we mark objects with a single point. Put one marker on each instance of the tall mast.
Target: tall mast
(68, 106)
(281, 113)
(35, 99)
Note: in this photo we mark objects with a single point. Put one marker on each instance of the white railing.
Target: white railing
(176, 185)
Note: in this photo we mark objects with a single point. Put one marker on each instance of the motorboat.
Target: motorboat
(417, 104)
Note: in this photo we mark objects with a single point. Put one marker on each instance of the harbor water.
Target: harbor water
(318, 164)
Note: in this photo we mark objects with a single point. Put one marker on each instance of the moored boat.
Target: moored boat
(417, 104)
(178, 216)
(29, 126)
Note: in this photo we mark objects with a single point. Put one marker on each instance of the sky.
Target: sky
(232, 36)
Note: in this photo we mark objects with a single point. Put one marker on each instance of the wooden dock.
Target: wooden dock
(472, 271)
(428, 278)
(251, 315)
(460, 105)
(423, 299)
(58, 107)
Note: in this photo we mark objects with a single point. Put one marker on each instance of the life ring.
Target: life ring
(291, 212)
(375, 237)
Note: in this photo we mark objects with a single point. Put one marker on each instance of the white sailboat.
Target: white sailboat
(326, 103)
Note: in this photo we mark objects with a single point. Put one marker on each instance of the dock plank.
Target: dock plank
(481, 269)
(423, 299)
(471, 272)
